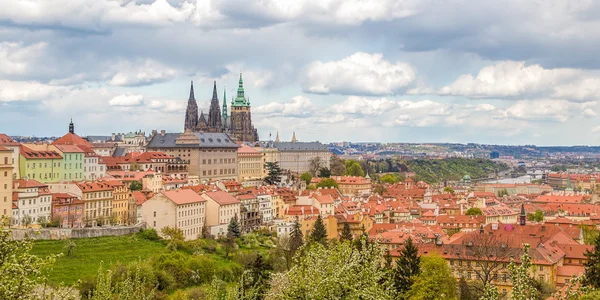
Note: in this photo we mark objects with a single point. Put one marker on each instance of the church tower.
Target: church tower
(191, 113)
(224, 116)
(214, 114)
(71, 127)
(241, 118)
(522, 216)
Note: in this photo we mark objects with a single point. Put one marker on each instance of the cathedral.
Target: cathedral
(238, 125)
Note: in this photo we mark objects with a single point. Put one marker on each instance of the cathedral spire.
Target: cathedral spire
(191, 112)
(294, 138)
(71, 127)
(192, 91)
(277, 137)
(214, 113)
(224, 103)
(215, 91)
(522, 216)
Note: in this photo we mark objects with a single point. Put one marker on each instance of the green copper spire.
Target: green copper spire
(224, 104)
(240, 100)
(569, 188)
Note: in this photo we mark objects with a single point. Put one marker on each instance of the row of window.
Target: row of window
(221, 172)
(215, 161)
(100, 204)
(190, 212)
(189, 222)
(98, 195)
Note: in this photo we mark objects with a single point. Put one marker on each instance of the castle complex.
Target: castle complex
(238, 125)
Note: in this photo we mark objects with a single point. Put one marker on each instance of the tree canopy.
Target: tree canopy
(407, 267)
(474, 211)
(327, 182)
(306, 177)
(136, 186)
(536, 216)
(353, 168)
(337, 166)
(319, 233)
(435, 280)
(389, 178)
(274, 173)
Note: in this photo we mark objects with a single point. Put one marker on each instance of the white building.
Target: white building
(264, 208)
(33, 200)
(183, 209)
(283, 228)
(93, 167)
(221, 207)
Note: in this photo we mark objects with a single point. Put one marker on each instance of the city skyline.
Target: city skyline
(389, 71)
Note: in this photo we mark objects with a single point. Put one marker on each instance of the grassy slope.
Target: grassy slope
(93, 252)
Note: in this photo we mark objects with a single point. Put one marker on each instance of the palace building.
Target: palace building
(238, 125)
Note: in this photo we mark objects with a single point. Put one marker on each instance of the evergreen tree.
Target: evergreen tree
(274, 173)
(592, 265)
(296, 238)
(387, 260)
(234, 227)
(346, 233)
(319, 233)
(466, 292)
(206, 231)
(324, 172)
(407, 266)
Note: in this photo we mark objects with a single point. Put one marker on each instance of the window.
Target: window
(155, 214)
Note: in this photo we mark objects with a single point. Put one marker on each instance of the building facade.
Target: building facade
(6, 177)
(44, 166)
(238, 124)
(221, 207)
(13, 146)
(73, 158)
(67, 209)
(250, 166)
(297, 156)
(98, 197)
(183, 209)
(32, 202)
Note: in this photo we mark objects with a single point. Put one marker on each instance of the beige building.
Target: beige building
(269, 155)
(122, 203)
(6, 176)
(250, 166)
(220, 208)
(13, 146)
(153, 182)
(98, 197)
(211, 156)
(183, 209)
(297, 156)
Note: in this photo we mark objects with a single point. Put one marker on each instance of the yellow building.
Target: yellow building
(14, 147)
(121, 203)
(98, 197)
(250, 166)
(269, 155)
(330, 224)
(6, 175)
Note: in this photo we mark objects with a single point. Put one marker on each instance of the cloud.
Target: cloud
(364, 106)
(539, 110)
(589, 113)
(28, 91)
(18, 59)
(126, 100)
(361, 73)
(298, 106)
(141, 73)
(168, 106)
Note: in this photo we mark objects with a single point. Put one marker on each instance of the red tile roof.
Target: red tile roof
(72, 139)
(69, 149)
(4, 149)
(248, 151)
(94, 186)
(27, 183)
(181, 197)
(5, 140)
(35, 154)
(222, 198)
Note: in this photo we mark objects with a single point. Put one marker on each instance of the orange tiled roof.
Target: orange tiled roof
(181, 197)
(35, 154)
(72, 139)
(27, 183)
(5, 140)
(222, 198)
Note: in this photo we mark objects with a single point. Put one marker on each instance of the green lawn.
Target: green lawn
(91, 253)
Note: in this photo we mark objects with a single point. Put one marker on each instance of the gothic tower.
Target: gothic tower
(224, 116)
(241, 118)
(214, 114)
(191, 113)
(522, 216)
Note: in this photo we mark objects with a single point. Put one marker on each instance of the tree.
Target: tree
(135, 186)
(449, 190)
(346, 233)
(435, 280)
(537, 216)
(296, 238)
(474, 211)
(254, 282)
(319, 233)
(353, 168)
(388, 178)
(327, 183)
(26, 220)
(21, 271)
(466, 291)
(70, 247)
(502, 193)
(337, 166)
(407, 267)
(234, 227)
(306, 177)
(379, 189)
(324, 172)
(592, 265)
(174, 235)
(522, 281)
(311, 187)
(133, 287)
(314, 165)
(274, 173)
(206, 232)
(336, 272)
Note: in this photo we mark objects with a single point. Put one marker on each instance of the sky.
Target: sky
(494, 72)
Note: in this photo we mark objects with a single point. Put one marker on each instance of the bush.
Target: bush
(203, 269)
(149, 234)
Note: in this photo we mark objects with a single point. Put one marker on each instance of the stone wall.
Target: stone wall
(73, 233)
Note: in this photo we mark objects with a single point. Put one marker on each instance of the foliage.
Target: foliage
(324, 172)
(346, 233)
(70, 247)
(174, 235)
(314, 166)
(336, 272)
(537, 216)
(274, 173)
(389, 178)
(149, 234)
(233, 228)
(353, 168)
(592, 265)
(327, 183)
(319, 233)
(337, 166)
(474, 211)
(449, 190)
(467, 291)
(132, 287)
(254, 283)
(523, 287)
(435, 280)
(502, 193)
(590, 234)
(20, 269)
(490, 292)
(296, 238)
(407, 267)
(439, 170)
(218, 290)
(311, 187)
(379, 189)
(306, 177)
(136, 186)
(26, 220)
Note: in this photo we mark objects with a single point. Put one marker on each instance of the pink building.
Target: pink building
(68, 209)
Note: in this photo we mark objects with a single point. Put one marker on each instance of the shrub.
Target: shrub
(149, 234)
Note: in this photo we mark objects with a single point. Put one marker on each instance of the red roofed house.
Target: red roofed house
(31, 201)
(183, 209)
(67, 209)
(98, 198)
(221, 207)
(323, 202)
(353, 185)
(43, 164)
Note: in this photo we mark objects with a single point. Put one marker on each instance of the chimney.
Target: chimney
(162, 132)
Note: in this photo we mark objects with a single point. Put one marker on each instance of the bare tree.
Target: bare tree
(315, 165)
(486, 254)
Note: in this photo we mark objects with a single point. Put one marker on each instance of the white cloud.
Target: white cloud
(364, 106)
(589, 113)
(596, 129)
(168, 106)
(511, 79)
(28, 91)
(360, 73)
(539, 110)
(126, 100)
(141, 73)
(18, 59)
(298, 106)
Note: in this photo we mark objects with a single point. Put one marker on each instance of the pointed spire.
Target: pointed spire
(192, 97)
(215, 91)
(277, 137)
(522, 216)
(71, 127)
(294, 138)
(224, 103)
(202, 117)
